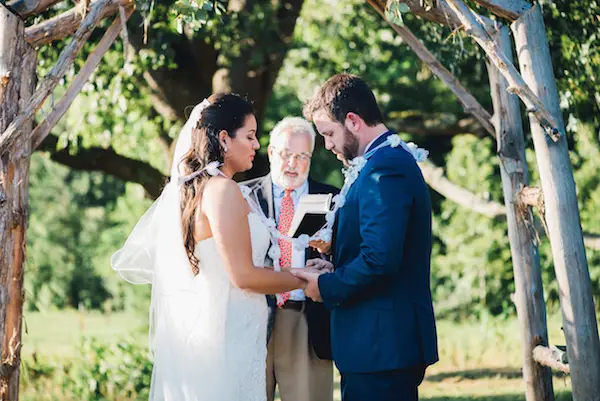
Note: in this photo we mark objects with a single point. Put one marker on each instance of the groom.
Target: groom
(382, 322)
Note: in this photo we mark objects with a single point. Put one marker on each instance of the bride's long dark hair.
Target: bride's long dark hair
(226, 112)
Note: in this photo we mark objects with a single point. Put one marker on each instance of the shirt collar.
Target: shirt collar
(386, 133)
(278, 191)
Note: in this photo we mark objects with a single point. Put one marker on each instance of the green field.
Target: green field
(478, 361)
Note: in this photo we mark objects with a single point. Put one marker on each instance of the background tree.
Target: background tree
(125, 121)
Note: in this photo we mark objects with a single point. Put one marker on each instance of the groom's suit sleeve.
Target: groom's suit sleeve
(385, 201)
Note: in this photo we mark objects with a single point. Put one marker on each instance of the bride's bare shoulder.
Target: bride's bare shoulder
(219, 190)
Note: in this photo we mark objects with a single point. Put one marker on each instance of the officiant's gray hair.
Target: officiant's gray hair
(297, 124)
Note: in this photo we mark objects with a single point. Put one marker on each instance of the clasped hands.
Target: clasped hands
(310, 275)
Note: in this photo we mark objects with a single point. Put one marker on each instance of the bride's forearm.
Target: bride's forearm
(267, 281)
(283, 269)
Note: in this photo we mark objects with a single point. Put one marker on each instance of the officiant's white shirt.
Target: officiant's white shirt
(298, 257)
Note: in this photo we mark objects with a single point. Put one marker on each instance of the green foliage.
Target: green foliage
(77, 219)
(471, 268)
(110, 371)
(394, 10)
(574, 36)
(107, 370)
(478, 361)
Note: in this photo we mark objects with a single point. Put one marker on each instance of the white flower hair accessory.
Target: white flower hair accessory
(211, 168)
(203, 105)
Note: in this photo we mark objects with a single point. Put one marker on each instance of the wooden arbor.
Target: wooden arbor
(19, 101)
(535, 85)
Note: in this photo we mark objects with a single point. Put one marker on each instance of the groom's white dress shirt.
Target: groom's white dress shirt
(373, 141)
(298, 256)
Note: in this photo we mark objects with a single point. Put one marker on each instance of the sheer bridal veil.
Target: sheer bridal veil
(154, 254)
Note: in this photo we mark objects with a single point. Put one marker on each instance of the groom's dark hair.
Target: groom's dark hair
(343, 94)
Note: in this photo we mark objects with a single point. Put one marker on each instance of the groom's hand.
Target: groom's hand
(312, 283)
(317, 264)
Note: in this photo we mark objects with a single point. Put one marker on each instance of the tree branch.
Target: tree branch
(509, 9)
(517, 84)
(174, 90)
(546, 357)
(470, 104)
(92, 62)
(592, 241)
(50, 81)
(434, 176)
(156, 96)
(63, 25)
(433, 124)
(27, 8)
(440, 14)
(110, 162)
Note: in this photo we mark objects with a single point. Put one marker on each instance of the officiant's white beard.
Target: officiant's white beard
(289, 178)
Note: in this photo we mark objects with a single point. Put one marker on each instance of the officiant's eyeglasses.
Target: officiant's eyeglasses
(286, 156)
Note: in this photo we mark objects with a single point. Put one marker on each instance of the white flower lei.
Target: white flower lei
(352, 172)
(325, 233)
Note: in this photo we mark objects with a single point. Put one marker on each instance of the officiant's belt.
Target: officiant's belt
(295, 305)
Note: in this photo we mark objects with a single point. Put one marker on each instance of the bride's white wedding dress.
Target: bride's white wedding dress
(228, 343)
(208, 337)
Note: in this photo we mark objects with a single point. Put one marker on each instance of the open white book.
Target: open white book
(309, 215)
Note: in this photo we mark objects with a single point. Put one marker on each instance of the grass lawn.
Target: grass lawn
(57, 335)
(478, 361)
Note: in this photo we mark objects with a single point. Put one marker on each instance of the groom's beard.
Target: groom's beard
(351, 145)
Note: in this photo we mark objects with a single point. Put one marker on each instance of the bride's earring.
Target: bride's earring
(225, 148)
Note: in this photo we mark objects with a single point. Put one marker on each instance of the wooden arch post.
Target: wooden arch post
(17, 82)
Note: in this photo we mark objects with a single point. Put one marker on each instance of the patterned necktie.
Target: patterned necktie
(286, 215)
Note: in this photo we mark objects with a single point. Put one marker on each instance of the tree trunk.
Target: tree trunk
(529, 291)
(562, 213)
(17, 82)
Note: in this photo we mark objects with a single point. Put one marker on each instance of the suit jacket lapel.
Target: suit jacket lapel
(265, 196)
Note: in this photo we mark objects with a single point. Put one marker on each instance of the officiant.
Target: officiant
(299, 348)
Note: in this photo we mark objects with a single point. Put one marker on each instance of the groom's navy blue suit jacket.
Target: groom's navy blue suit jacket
(379, 295)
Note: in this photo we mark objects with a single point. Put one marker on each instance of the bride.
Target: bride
(202, 246)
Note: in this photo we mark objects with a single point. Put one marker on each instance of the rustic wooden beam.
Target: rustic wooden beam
(562, 217)
(470, 104)
(17, 82)
(517, 85)
(65, 24)
(546, 357)
(440, 14)
(50, 81)
(92, 62)
(509, 9)
(529, 288)
(28, 8)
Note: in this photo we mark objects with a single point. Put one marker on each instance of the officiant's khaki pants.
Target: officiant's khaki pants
(292, 363)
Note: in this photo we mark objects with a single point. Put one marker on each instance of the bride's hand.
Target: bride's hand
(321, 246)
(318, 265)
(304, 282)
